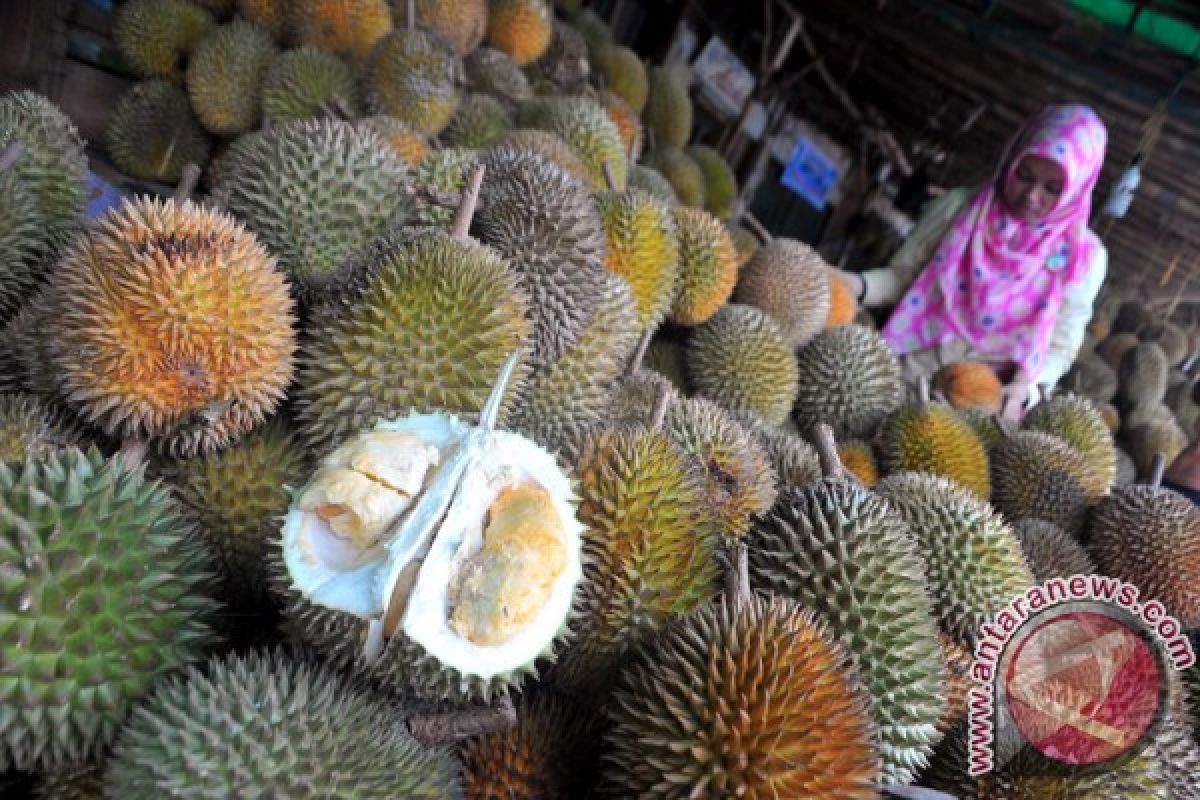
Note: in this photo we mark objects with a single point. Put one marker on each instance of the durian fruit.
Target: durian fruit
(1126, 469)
(410, 146)
(542, 756)
(480, 122)
(225, 77)
(843, 308)
(552, 148)
(169, 322)
(235, 498)
(1050, 552)
(637, 395)
(1150, 537)
(545, 224)
(53, 168)
(970, 384)
(643, 248)
(668, 110)
(1037, 475)
(740, 360)
(1132, 317)
(349, 29)
(932, 438)
(1092, 377)
(76, 783)
(439, 181)
(958, 660)
(990, 428)
(1142, 377)
(974, 562)
(1170, 338)
(271, 721)
(155, 37)
(594, 29)
(520, 28)
(1156, 436)
(152, 133)
(308, 82)
(490, 71)
(1113, 349)
(624, 74)
(114, 593)
(720, 184)
(651, 180)
(25, 352)
(270, 15)
(1139, 777)
(789, 281)
(692, 718)
(849, 378)
(794, 460)
(22, 247)
(317, 193)
(847, 554)
(858, 457)
(649, 549)
(564, 67)
(462, 23)
(586, 126)
(668, 359)
(414, 76)
(681, 172)
(707, 266)
(627, 121)
(1110, 416)
(747, 245)
(573, 394)
(453, 308)
(29, 426)
(1077, 422)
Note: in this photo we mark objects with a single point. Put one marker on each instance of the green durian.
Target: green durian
(564, 68)
(22, 246)
(490, 71)
(642, 248)
(668, 359)
(462, 23)
(115, 592)
(439, 181)
(1037, 475)
(1078, 422)
(307, 82)
(409, 145)
(720, 184)
(480, 122)
(932, 438)
(594, 29)
(668, 110)
(79, 783)
(708, 266)
(414, 76)
(849, 378)
(1142, 377)
(317, 193)
(29, 426)
(152, 133)
(553, 148)
(625, 74)
(271, 722)
(651, 180)
(156, 37)
(1092, 377)
(225, 76)
(1050, 552)
(681, 172)
(586, 126)
(794, 460)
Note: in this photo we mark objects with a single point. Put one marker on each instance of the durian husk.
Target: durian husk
(858, 457)
(1146, 440)
(849, 379)
(405, 142)
(650, 179)
(624, 74)
(934, 439)
(1142, 377)
(553, 148)
(155, 37)
(668, 359)
(1113, 349)
(521, 28)
(789, 281)
(225, 76)
(969, 384)
(492, 72)
(627, 122)
(1078, 422)
(642, 248)
(480, 121)
(152, 133)
(668, 111)
(681, 172)
(720, 184)
(414, 75)
(1092, 377)
(350, 30)
(585, 125)
(307, 82)
(1050, 552)
(708, 266)
(843, 308)
(30, 426)
(1037, 475)
(692, 715)
(462, 23)
(794, 460)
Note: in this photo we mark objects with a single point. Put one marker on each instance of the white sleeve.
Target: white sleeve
(1073, 318)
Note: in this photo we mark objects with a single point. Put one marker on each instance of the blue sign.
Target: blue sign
(810, 173)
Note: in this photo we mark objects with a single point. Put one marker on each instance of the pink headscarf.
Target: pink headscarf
(996, 280)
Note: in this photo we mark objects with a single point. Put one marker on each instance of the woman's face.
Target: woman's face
(1034, 188)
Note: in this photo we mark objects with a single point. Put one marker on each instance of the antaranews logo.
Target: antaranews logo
(1075, 669)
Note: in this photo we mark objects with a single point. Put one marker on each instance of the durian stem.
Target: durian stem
(660, 409)
(924, 398)
(757, 228)
(635, 145)
(438, 729)
(639, 354)
(1158, 469)
(187, 183)
(133, 452)
(466, 207)
(826, 447)
(737, 575)
(410, 19)
(610, 177)
(11, 154)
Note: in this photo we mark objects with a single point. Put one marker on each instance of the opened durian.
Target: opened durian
(455, 549)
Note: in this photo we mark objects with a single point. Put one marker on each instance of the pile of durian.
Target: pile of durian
(444, 444)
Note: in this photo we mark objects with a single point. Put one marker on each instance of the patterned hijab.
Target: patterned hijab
(997, 280)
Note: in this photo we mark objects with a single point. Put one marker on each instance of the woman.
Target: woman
(1007, 273)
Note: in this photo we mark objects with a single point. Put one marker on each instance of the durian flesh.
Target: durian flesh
(463, 539)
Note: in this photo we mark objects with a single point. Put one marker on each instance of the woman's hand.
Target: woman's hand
(1016, 397)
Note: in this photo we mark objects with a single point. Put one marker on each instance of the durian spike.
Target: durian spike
(757, 228)
(337, 109)
(11, 154)
(639, 354)
(660, 409)
(187, 183)
(433, 730)
(826, 447)
(610, 177)
(466, 206)
(737, 575)
(1156, 471)
(491, 409)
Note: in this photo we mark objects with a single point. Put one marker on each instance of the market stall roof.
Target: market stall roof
(927, 66)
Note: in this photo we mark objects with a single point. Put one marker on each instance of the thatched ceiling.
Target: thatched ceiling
(926, 65)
